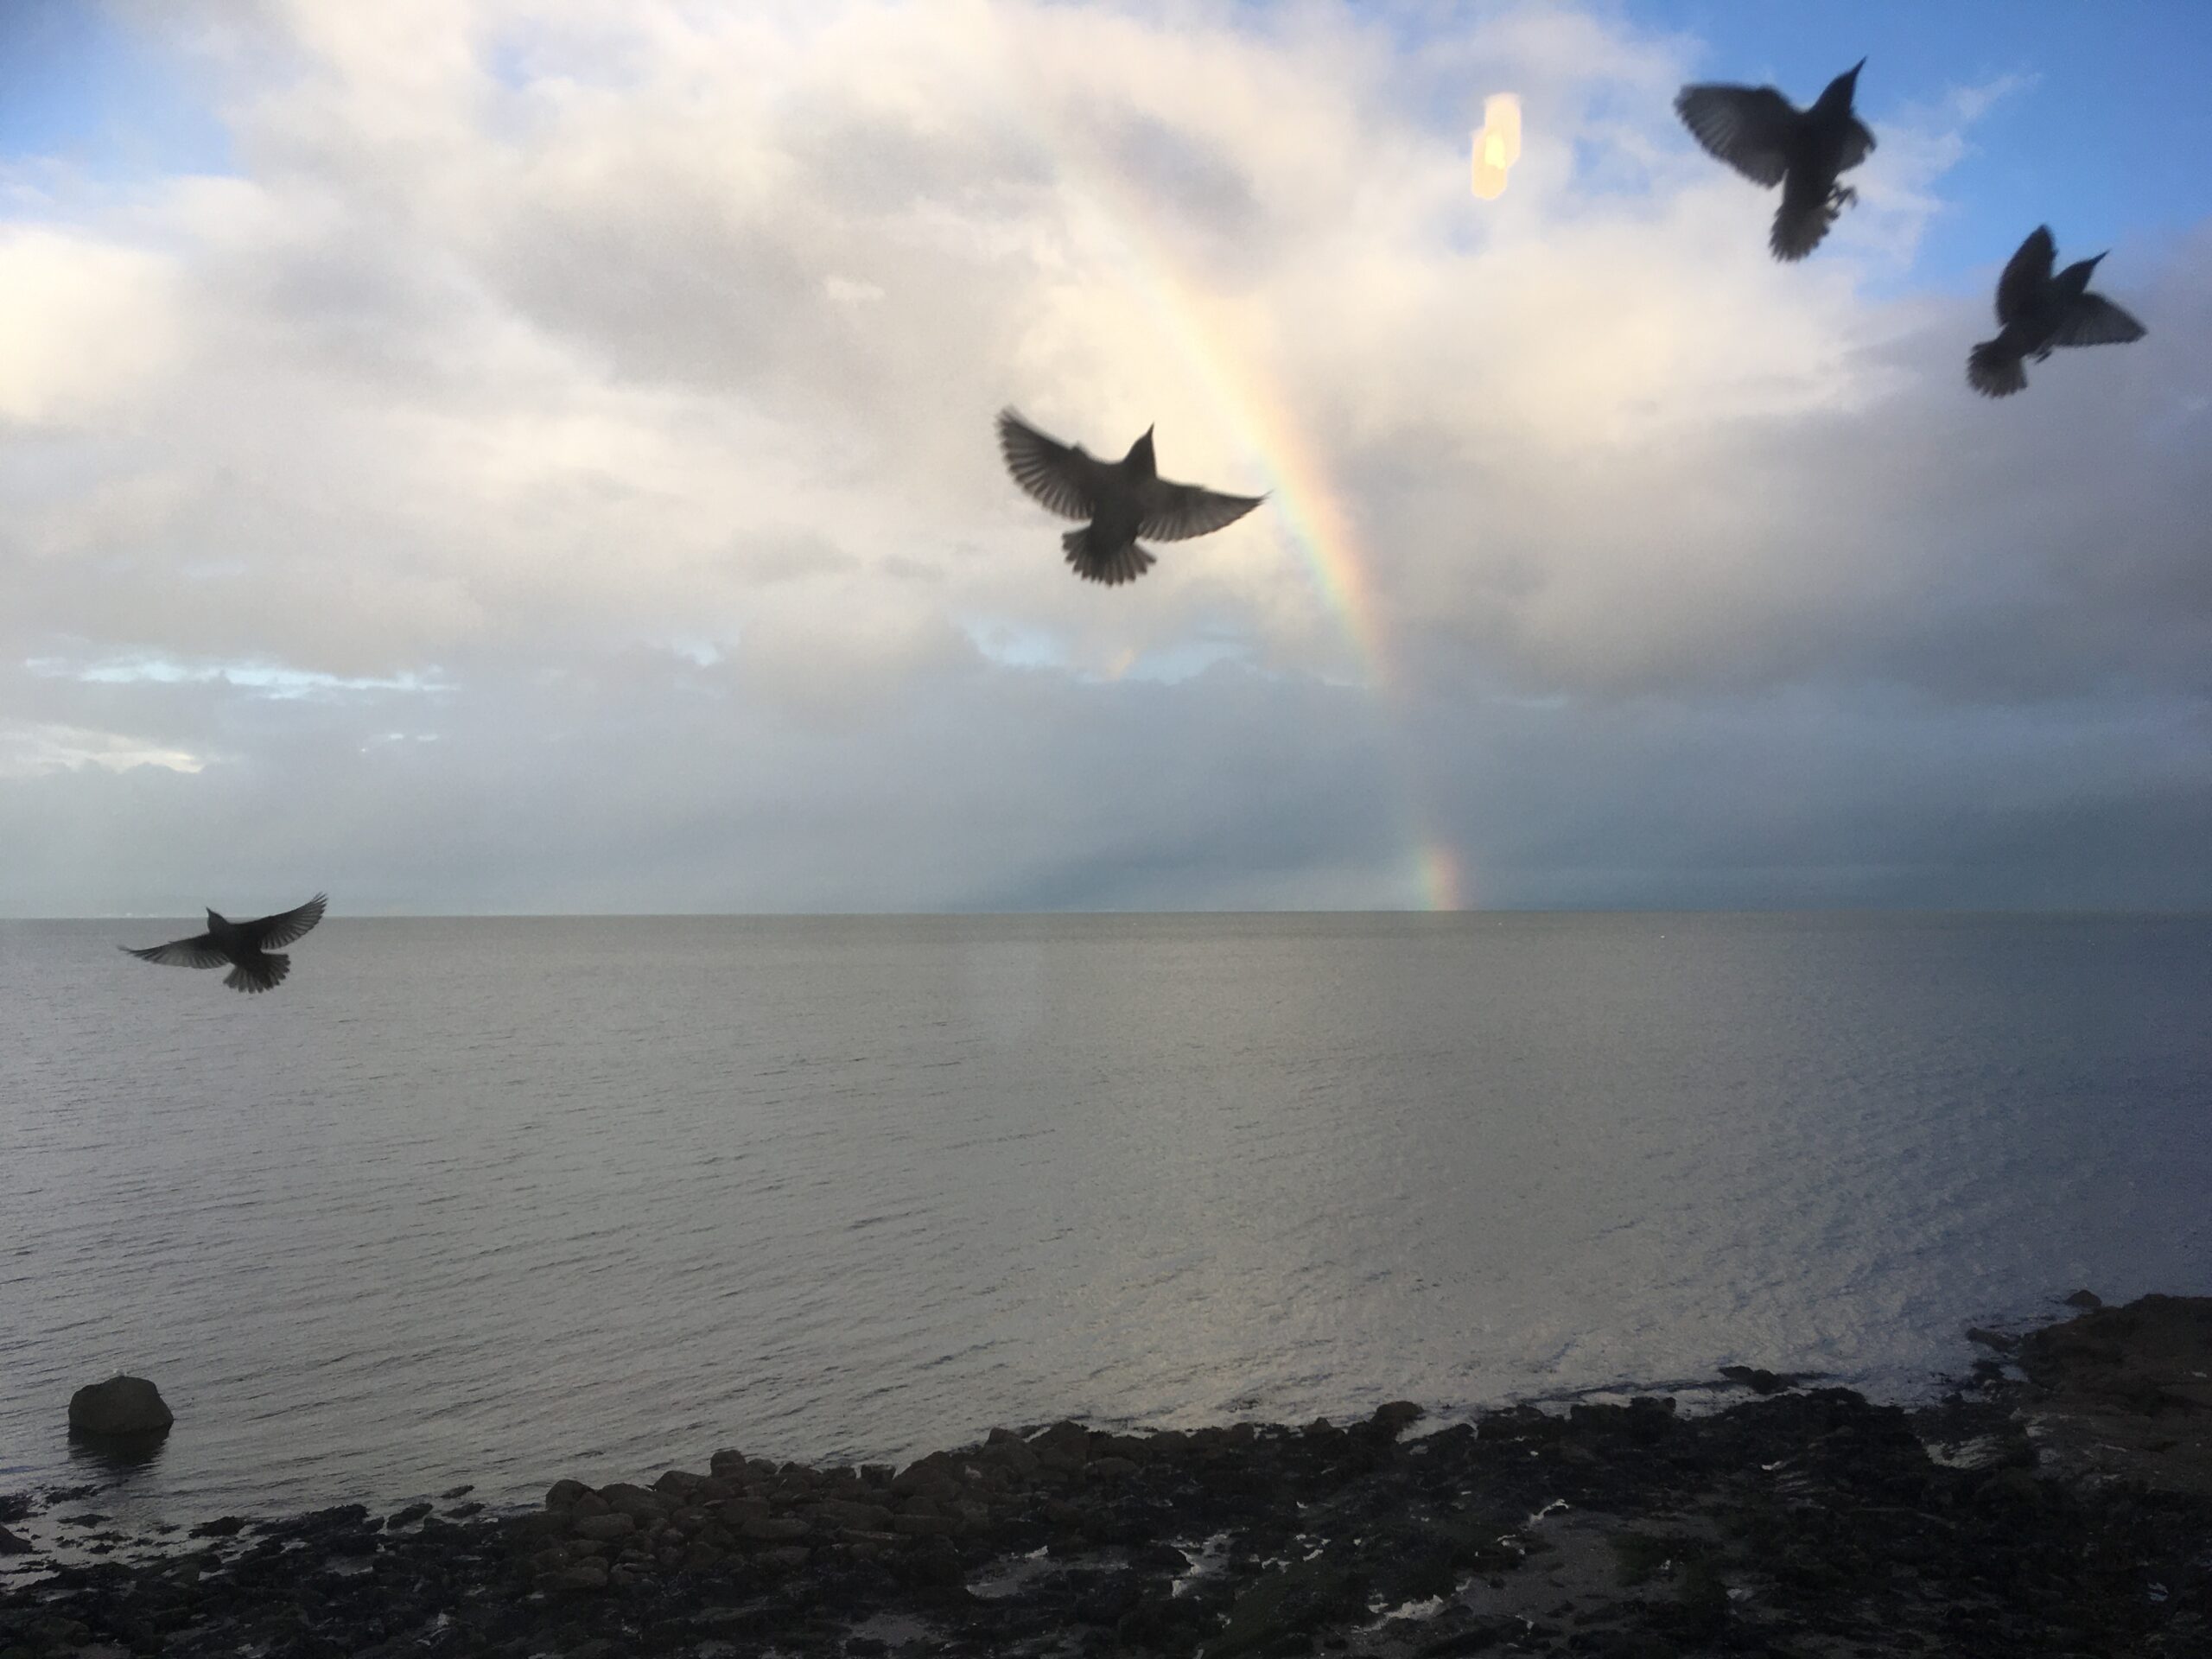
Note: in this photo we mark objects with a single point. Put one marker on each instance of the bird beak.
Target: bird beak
(1857, 67)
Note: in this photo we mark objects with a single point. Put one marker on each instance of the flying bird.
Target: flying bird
(248, 947)
(1122, 500)
(2036, 312)
(1770, 141)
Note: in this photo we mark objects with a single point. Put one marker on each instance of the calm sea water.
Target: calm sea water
(502, 1201)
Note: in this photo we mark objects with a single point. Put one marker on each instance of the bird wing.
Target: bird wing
(1048, 469)
(1175, 512)
(199, 951)
(2025, 274)
(1858, 145)
(271, 931)
(1747, 127)
(2094, 320)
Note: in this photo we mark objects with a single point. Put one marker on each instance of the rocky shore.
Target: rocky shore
(2059, 1501)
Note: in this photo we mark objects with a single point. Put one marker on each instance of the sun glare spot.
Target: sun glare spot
(1497, 144)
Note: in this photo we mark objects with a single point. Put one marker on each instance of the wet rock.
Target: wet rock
(2127, 1391)
(773, 1529)
(1758, 1381)
(1392, 1419)
(11, 1544)
(842, 1514)
(408, 1516)
(590, 1574)
(121, 1408)
(1988, 1338)
(604, 1528)
(2088, 1300)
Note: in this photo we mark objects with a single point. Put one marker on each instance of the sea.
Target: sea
(499, 1201)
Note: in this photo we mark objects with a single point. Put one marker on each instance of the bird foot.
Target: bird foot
(1841, 197)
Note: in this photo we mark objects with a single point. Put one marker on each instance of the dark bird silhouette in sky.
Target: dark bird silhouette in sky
(247, 947)
(1770, 141)
(1123, 499)
(2036, 312)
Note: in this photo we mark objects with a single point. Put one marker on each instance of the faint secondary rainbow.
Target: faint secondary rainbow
(1298, 482)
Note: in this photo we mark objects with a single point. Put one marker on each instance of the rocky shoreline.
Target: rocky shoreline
(2058, 1502)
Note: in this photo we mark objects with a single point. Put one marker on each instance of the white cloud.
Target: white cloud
(533, 335)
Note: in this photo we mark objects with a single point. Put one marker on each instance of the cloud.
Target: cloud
(626, 373)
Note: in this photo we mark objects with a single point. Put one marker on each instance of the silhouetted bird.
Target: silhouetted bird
(1770, 141)
(2036, 312)
(246, 946)
(1123, 499)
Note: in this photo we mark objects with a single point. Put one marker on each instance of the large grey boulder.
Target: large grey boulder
(123, 1407)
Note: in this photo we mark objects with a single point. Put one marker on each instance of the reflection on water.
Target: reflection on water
(504, 1200)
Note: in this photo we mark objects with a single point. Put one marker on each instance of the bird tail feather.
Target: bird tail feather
(1124, 563)
(1995, 372)
(1799, 227)
(262, 973)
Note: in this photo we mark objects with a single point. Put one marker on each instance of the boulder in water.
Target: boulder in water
(121, 1408)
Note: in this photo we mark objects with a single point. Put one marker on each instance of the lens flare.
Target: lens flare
(1497, 144)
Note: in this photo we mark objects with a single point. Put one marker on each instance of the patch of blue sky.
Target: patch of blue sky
(268, 680)
(1171, 664)
(2100, 134)
(81, 88)
(1017, 644)
(2101, 139)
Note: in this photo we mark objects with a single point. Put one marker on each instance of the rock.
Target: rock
(408, 1516)
(863, 1517)
(774, 1529)
(1988, 1338)
(223, 1526)
(462, 1490)
(924, 1525)
(2127, 1391)
(932, 1476)
(563, 1494)
(1392, 1419)
(604, 1528)
(729, 1463)
(123, 1407)
(2087, 1301)
(634, 1500)
(10, 1544)
(590, 1574)
(1757, 1380)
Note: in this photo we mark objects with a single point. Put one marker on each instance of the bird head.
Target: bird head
(214, 919)
(1140, 455)
(1841, 89)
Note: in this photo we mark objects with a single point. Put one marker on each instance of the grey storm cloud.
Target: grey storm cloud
(555, 471)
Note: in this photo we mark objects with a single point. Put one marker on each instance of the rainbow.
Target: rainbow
(1298, 481)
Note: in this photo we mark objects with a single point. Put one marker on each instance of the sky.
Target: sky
(531, 456)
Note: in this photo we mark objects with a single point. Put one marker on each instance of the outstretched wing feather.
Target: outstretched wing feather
(2095, 320)
(1048, 469)
(2025, 274)
(196, 952)
(1176, 512)
(271, 933)
(1747, 127)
